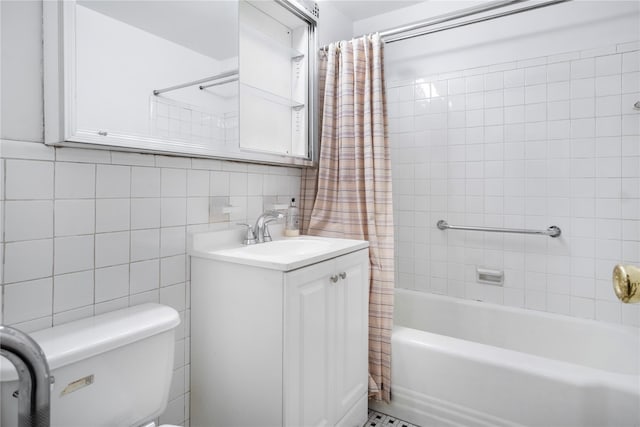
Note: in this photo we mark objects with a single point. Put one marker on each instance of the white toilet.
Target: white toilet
(110, 370)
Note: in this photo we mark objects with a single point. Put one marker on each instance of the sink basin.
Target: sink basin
(284, 254)
(282, 248)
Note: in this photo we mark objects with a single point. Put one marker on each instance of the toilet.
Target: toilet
(113, 369)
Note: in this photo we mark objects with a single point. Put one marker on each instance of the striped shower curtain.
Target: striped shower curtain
(349, 194)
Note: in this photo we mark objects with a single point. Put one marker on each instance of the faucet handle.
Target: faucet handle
(250, 237)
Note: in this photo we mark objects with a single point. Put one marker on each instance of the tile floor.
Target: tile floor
(377, 419)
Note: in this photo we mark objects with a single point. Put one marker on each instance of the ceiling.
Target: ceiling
(361, 9)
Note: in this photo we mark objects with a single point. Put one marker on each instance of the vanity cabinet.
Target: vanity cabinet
(280, 348)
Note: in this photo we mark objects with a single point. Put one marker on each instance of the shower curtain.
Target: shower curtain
(349, 194)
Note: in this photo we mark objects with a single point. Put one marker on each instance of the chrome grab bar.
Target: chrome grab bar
(552, 231)
(33, 376)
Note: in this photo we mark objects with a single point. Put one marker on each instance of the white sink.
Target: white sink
(283, 254)
(281, 249)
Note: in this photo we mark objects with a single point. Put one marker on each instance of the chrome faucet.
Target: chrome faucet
(33, 376)
(259, 233)
(261, 229)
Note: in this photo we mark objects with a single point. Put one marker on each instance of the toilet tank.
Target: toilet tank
(113, 369)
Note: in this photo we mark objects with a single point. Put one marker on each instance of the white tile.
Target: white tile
(513, 78)
(112, 248)
(28, 220)
(558, 110)
(172, 270)
(535, 94)
(172, 241)
(631, 61)
(514, 96)
(112, 215)
(172, 162)
(583, 88)
(197, 210)
(582, 108)
(494, 81)
(144, 276)
(75, 180)
(558, 72)
(197, 183)
(607, 311)
(219, 184)
(583, 68)
(608, 126)
(81, 155)
(152, 296)
(72, 315)
(237, 184)
(132, 159)
(72, 291)
(145, 213)
(559, 91)
(608, 64)
(173, 182)
(608, 85)
(145, 244)
(111, 283)
(73, 254)
(27, 179)
(630, 83)
(28, 150)
(535, 75)
(113, 181)
(28, 300)
(73, 217)
(111, 305)
(206, 164)
(608, 105)
(145, 182)
(173, 212)
(582, 307)
(559, 304)
(27, 260)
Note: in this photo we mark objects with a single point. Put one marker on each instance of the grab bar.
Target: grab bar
(552, 231)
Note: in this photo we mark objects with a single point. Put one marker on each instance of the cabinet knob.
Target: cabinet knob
(102, 133)
(334, 278)
(343, 275)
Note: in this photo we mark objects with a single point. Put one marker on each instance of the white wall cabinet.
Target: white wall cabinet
(274, 348)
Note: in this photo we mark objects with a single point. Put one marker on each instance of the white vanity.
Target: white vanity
(279, 333)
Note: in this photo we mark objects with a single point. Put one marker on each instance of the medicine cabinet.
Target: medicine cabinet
(223, 79)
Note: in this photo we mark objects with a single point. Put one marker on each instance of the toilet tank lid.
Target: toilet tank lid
(81, 339)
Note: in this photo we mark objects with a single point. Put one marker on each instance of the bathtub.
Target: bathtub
(468, 363)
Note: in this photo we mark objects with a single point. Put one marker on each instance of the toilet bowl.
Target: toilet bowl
(113, 369)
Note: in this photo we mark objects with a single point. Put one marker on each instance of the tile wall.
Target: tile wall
(89, 231)
(528, 144)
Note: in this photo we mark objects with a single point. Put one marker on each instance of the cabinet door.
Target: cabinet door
(349, 318)
(306, 368)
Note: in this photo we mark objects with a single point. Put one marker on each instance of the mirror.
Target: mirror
(181, 77)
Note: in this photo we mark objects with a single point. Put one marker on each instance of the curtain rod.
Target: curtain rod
(197, 82)
(388, 34)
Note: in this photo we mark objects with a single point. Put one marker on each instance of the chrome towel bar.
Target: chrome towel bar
(552, 231)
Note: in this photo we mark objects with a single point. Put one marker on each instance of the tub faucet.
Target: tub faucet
(261, 229)
(33, 376)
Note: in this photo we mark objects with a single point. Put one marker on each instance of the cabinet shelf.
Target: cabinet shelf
(294, 54)
(271, 97)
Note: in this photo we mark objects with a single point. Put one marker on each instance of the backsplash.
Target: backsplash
(527, 144)
(90, 231)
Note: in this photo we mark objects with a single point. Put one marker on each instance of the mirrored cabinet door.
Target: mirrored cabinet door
(167, 76)
(274, 79)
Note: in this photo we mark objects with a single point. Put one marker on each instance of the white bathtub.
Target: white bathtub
(467, 363)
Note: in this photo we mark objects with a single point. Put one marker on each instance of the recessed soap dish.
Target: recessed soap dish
(489, 277)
